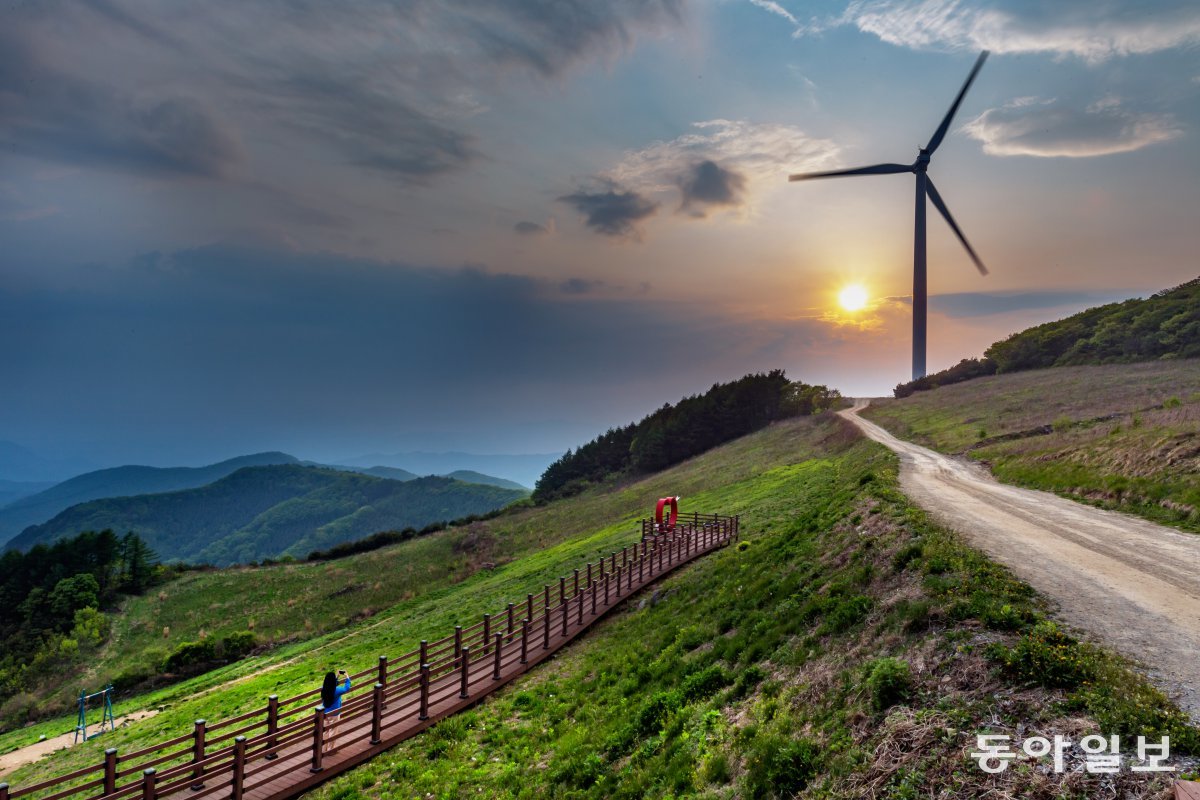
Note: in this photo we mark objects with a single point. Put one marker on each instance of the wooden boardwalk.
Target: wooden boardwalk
(288, 751)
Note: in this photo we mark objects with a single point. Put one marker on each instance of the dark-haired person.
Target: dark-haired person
(331, 705)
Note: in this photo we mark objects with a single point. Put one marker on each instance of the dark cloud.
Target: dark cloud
(979, 304)
(548, 36)
(611, 209)
(391, 86)
(579, 286)
(708, 184)
(51, 114)
(226, 349)
(527, 228)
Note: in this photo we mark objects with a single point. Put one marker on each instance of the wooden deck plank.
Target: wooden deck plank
(1187, 790)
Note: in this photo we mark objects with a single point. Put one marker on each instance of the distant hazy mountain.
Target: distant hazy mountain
(271, 511)
(471, 476)
(525, 469)
(464, 475)
(15, 490)
(20, 464)
(391, 473)
(119, 482)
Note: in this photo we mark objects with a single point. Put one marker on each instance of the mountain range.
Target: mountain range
(271, 511)
(524, 468)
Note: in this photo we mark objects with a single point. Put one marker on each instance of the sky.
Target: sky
(506, 225)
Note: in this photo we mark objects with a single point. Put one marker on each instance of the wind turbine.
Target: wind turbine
(925, 188)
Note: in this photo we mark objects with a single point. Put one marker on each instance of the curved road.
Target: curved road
(1131, 584)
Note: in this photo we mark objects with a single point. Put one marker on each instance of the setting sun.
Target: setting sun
(853, 298)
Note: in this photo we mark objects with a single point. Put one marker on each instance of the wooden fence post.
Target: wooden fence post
(466, 666)
(496, 664)
(376, 713)
(589, 574)
(110, 770)
(318, 740)
(579, 618)
(381, 677)
(529, 606)
(546, 628)
(606, 589)
(546, 602)
(525, 641)
(595, 589)
(510, 619)
(198, 755)
(577, 581)
(272, 724)
(3, 791)
(563, 606)
(423, 712)
(239, 766)
(457, 641)
(149, 787)
(562, 590)
(641, 562)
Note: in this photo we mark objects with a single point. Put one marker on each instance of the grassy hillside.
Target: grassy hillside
(850, 648)
(120, 482)
(1119, 436)
(273, 511)
(1164, 326)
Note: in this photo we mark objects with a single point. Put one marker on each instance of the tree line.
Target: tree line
(677, 432)
(1164, 325)
(55, 597)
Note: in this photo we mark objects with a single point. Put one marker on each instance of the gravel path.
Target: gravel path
(1131, 584)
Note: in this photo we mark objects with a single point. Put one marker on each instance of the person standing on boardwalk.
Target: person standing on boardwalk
(331, 705)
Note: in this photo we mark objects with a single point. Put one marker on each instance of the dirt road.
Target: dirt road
(1129, 583)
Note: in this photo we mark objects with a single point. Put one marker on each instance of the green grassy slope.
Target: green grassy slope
(758, 672)
(272, 511)
(1121, 436)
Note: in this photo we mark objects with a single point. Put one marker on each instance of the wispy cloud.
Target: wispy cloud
(776, 9)
(764, 153)
(1083, 28)
(1049, 128)
(718, 165)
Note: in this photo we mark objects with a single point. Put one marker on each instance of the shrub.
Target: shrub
(705, 683)
(1049, 657)
(779, 767)
(237, 645)
(889, 681)
(189, 654)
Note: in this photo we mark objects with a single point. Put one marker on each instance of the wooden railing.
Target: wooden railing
(262, 752)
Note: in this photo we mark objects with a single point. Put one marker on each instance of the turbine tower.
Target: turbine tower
(925, 188)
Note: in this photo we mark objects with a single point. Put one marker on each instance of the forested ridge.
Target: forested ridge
(677, 432)
(1164, 325)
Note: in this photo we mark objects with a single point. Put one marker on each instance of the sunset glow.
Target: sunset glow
(853, 297)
